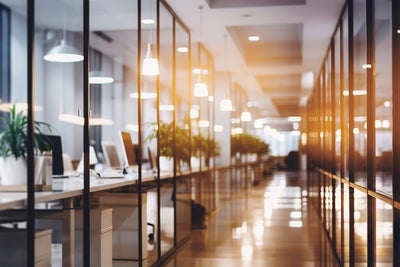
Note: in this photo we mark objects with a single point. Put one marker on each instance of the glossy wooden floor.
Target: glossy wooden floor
(265, 225)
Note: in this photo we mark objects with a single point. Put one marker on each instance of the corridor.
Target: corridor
(266, 225)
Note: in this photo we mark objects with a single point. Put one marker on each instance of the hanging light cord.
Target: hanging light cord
(226, 62)
(201, 22)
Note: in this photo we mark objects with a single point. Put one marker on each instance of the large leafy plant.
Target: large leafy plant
(166, 141)
(247, 143)
(199, 144)
(14, 134)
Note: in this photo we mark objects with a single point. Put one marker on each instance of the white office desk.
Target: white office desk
(67, 189)
(72, 187)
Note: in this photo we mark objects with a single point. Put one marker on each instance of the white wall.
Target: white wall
(223, 118)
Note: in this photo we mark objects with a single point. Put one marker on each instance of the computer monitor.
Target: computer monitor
(128, 150)
(111, 154)
(152, 159)
(56, 147)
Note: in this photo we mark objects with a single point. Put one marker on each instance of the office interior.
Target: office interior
(139, 212)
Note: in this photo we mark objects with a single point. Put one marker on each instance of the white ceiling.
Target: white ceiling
(295, 35)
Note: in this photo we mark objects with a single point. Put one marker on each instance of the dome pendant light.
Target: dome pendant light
(63, 52)
(97, 77)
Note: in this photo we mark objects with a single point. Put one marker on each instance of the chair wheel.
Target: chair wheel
(151, 236)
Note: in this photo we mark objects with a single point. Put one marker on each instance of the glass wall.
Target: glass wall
(361, 105)
(87, 186)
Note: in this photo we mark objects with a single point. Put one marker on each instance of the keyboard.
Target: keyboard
(110, 174)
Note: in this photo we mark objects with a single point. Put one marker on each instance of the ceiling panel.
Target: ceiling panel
(279, 44)
(283, 84)
(252, 3)
(287, 106)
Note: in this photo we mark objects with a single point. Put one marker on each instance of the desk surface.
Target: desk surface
(72, 187)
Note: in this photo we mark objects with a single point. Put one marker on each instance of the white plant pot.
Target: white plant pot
(166, 164)
(195, 162)
(13, 171)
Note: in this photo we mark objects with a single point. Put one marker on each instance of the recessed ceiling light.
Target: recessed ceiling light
(148, 21)
(182, 49)
(254, 38)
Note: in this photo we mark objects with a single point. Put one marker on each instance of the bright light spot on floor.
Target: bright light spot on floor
(267, 208)
(295, 215)
(297, 206)
(296, 224)
(236, 233)
(247, 252)
(297, 201)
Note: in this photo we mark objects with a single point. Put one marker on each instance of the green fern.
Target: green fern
(14, 134)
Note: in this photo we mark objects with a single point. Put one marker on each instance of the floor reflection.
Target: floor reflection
(265, 225)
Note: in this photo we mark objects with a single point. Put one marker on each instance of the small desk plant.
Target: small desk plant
(13, 145)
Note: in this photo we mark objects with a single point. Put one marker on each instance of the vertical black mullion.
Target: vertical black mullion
(86, 136)
(189, 71)
(351, 134)
(159, 184)
(323, 140)
(342, 144)
(371, 136)
(333, 139)
(176, 162)
(318, 161)
(5, 58)
(139, 114)
(396, 128)
(30, 141)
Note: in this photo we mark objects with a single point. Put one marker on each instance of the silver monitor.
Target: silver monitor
(111, 154)
(128, 152)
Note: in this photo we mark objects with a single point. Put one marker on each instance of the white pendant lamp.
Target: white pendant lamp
(246, 116)
(200, 88)
(150, 63)
(226, 105)
(63, 53)
(97, 77)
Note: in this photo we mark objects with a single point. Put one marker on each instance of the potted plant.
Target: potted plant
(246, 144)
(13, 145)
(205, 149)
(166, 144)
